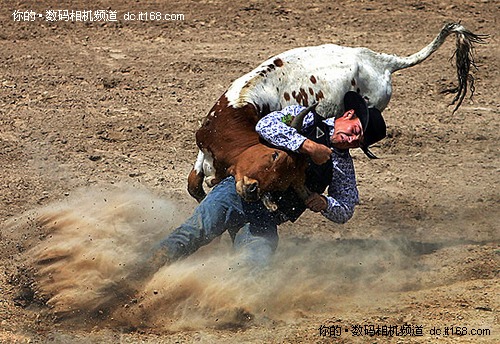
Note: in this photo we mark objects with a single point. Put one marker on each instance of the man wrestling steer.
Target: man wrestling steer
(253, 226)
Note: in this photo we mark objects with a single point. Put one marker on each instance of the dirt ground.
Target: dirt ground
(97, 123)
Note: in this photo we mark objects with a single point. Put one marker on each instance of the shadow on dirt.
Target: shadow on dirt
(404, 246)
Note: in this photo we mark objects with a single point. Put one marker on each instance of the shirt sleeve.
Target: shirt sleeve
(275, 128)
(342, 192)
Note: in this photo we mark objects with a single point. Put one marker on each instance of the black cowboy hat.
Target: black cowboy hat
(374, 128)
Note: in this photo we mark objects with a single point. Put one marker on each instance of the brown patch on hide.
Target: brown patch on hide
(320, 95)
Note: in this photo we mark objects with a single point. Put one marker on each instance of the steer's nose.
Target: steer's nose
(252, 191)
(252, 188)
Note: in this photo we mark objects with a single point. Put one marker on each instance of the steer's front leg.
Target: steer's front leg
(195, 185)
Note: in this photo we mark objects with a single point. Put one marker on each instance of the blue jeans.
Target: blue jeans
(253, 228)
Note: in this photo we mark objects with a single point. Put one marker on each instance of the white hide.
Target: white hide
(335, 68)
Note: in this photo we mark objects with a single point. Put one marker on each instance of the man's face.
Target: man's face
(348, 132)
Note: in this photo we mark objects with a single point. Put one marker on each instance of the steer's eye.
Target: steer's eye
(275, 155)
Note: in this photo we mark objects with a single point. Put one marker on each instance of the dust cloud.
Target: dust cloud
(97, 244)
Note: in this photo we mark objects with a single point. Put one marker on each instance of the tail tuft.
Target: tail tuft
(464, 59)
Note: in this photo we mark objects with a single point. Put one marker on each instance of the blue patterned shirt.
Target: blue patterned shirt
(342, 191)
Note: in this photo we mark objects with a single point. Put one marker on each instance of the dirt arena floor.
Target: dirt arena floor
(97, 122)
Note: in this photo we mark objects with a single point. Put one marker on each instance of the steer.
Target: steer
(227, 140)
(256, 166)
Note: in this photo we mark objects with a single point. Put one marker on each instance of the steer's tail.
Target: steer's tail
(463, 54)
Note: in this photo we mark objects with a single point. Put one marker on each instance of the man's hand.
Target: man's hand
(319, 153)
(316, 202)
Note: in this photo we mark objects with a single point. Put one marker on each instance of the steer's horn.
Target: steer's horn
(297, 121)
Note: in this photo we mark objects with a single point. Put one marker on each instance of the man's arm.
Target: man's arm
(319, 153)
(342, 192)
(342, 197)
(275, 129)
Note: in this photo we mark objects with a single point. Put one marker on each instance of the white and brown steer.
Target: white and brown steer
(227, 139)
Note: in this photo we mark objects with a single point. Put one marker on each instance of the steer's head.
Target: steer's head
(261, 169)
